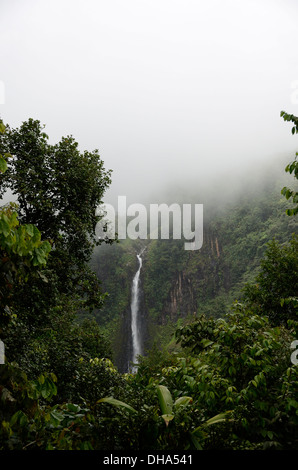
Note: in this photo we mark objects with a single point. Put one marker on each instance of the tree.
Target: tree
(46, 241)
(240, 363)
(275, 288)
(292, 167)
(58, 188)
(22, 253)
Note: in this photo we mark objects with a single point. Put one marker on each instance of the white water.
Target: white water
(136, 341)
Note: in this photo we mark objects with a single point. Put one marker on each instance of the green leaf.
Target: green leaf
(43, 277)
(220, 418)
(270, 434)
(217, 419)
(30, 229)
(114, 402)
(195, 442)
(206, 342)
(182, 401)
(73, 408)
(4, 227)
(3, 164)
(167, 418)
(2, 127)
(56, 417)
(19, 417)
(165, 399)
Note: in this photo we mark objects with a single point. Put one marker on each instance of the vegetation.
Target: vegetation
(292, 167)
(178, 284)
(229, 383)
(58, 189)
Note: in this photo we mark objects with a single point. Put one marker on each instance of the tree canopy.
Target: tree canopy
(58, 189)
(292, 167)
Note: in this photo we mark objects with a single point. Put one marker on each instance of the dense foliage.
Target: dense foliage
(231, 381)
(58, 189)
(292, 167)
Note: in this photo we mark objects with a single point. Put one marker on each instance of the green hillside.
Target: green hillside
(178, 284)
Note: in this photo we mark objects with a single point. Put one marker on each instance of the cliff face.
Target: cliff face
(177, 282)
(180, 301)
(203, 275)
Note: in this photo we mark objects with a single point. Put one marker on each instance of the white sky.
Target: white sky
(169, 91)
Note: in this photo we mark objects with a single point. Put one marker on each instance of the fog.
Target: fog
(175, 94)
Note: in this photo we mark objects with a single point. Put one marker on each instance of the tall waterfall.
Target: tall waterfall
(135, 296)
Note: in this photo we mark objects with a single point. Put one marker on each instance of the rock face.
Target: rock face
(122, 344)
(181, 300)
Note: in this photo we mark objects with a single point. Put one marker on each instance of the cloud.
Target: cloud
(169, 91)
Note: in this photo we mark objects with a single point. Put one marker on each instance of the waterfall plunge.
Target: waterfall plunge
(136, 340)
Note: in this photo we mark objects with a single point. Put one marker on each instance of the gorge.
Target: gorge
(153, 285)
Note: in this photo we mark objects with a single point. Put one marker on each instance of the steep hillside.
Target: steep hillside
(178, 284)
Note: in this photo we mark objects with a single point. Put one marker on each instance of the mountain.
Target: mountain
(175, 284)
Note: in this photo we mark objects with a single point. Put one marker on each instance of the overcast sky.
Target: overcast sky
(169, 91)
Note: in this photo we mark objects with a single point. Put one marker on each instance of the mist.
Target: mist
(182, 98)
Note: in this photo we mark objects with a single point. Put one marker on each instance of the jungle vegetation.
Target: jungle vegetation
(226, 379)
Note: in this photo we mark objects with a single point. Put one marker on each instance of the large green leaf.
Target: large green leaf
(222, 417)
(216, 419)
(182, 401)
(113, 401)
(165, 399)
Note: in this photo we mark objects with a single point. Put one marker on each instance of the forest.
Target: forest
(219, 369)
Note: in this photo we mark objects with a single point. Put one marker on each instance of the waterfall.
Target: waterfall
(136, 339)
